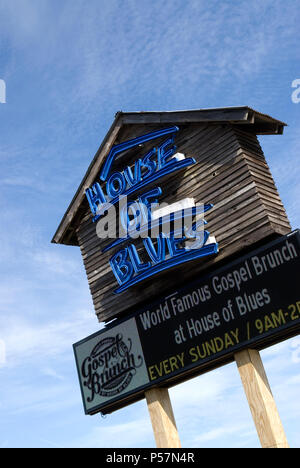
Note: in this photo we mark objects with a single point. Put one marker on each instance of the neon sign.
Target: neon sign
(167, 247)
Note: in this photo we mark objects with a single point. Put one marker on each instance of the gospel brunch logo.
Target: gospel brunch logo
(110, 367)
(167, 239)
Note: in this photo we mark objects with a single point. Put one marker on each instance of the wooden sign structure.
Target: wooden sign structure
(224, 165)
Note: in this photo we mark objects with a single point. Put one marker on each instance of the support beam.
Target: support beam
(261, 401)
(162, 418)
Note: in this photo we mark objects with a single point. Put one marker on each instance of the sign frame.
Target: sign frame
(224, 357)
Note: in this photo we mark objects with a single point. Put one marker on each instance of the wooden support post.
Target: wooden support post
(262, 405)
(162, 418)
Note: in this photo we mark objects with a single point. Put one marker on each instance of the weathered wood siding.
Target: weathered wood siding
(231, 172)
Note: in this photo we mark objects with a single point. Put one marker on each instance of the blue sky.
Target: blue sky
(69, 66)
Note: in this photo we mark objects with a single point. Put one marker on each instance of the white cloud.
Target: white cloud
(48, 371)
(56, 262)
(199, 390)
(295, 345)
(33, 342)
(134, 433)
(225, 431)
(47, 399)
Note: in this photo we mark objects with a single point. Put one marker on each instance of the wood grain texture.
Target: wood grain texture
(231, 172)
(261, 401)
(162, 418)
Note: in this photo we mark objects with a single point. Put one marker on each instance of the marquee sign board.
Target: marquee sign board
(251, 302)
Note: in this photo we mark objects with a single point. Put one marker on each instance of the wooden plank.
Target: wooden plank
(162, 418)
(279, 228)
(261, 401)
(249, 142)
(207, 141)
(237, 114)
(208, 177)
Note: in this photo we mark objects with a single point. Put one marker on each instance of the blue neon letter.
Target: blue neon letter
(121, 268)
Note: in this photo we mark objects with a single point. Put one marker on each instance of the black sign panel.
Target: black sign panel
(252, 302)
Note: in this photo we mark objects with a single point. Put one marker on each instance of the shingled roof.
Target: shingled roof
(256, 122)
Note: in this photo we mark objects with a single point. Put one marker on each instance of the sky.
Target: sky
(68, 67)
